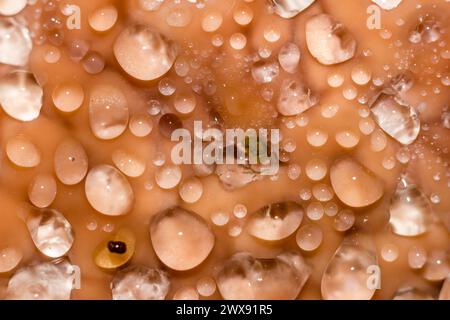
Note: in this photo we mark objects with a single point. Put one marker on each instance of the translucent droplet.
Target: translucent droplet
(314, 211)
(411, 293)
(344, 220)
(289, 57)
(103, 18)
(206, 286)
(168, 123)
(140, 283)
(329, 110)
(141, 125)
(349, 92)
(129, 163)
(70, 162)
(378, 140)
(212, 21)
(309, 237)
(108, 112)
(78, 49)
(185, 103)
(42, 190)
(316, 137)
(181, 239)
(52, 55)
(322, 192)
(417, 256)
(271, 33)
(144, 53)
(275, 221)
(305, 194)
(361, 75)
(437, 267)
(50, 231)
(410, 210)
(331, 209)
(220, 218)
(191, 190)
(294, 98)
(15, 42)
(42, 281)
(168, 176)
(290, 8)
(22, 152)
(347, 276)
(240, 211)
(244, 277)
(186, 293)
(20, 95)
(265, 71)
(316, 169)
(347, 138)
(166, 87)
(150, 5)
(68, 96)
(354, 184)
(93, 63)
(328, 40)
(10, 258)
(238, 41)
(294, 171)
(387, 4)
(397, 119)
(335, 80)
(104, 183)
(389, 252)
(243, 14)
(179, 17)
(12, 7)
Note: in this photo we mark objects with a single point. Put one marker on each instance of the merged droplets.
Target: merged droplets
(244, 277)
(129, 163)
(20, 95)
(140, 283)
(22, 152)
(309, 237)
(294, 98)
(68, 96)
(289, 57)
(70, 162)
(42, 190)
(328, 40)
(50, 231)
(108, 191)
(15, 41)
(275, 221)
(346, 276)
(354, 184)
(108, 112)
(181, 239)
(410, 210)
(144, 53)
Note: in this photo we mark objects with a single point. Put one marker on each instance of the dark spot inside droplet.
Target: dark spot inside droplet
(168, 123)
(117, 247)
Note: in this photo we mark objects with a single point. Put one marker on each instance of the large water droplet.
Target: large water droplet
(42, 190)
(10, 257)
(410, 210)
(12, 7)
(244, 277)
(20, 95)
(275, 221)
(294, 98)
(22, 152)
(328, 40)
(347, 276)
(51, 232)
(289, 57)
(108, 191)
(397, 119)
(71, 162)
(290, 8)
(354, 184)
(140, 283)
(181, 239)
(15, 42)
(108, 112)
(144, 53)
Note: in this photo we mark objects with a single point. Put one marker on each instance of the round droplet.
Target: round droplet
(361, 75)
(21, 95)
(316, 169)
(366, 126)
(70, 162)
(212, 21)
(185, 103)
(129, 163)
(378, 140)
(329, 110)
(344, 220)
(108, 191)
(335, 80)
(179, 17)
(354, 185)
(181, 239)
(417, 256)
(168, 176)
(347, 138)
(331, 209)
(389, 252)
(10, 258)
(206, 286)
(322, 192)
(42, 190)
(168, 123)
(191, 190)
(240, 211)
(78, 49)
(12, 7)
(243, 14)
(93, 63)
(317, 137)
(186, 293)
(220, 218)
(349, 92)
(305, 194)
(144, 53)
(309, 237)
(289, 57)
(272, 34)
(276, 221)
(314, 211)
(104, 18)
(238, 41)
(22, 152)
(68, 96)
(52, 55)
(116, 250)
(108, 112)
(141, 125)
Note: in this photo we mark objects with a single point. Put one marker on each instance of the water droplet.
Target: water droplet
(305, 194)
(289, 57)
(166, 87)
(186, 293)
(52, 55)
(314, 211)
(168, 123)
(243, 276)
(103, 18)
(335, 80)
(238, 41)
(68, 96)
(409, 210)
(220, 218)
(434, 198)
(20, 95)
(354, 184)
(42, 190)
(316, 137)
(93, 63)
(243, 14)
(70, 162)
(309, 237)
(331, 209)
(22, 152)
(78, 49)
(411, 293)
(347, 138)
(294, 171)
(294, 98)
(212, 21)
(275, 221)
(329, 110)
(417, 256)
(389, 252)
(290, 8)
(191, 190)
(265, 71)
(316, 169)
(328, 40)
(344, 220)
(240, 211)
(15, 43)
(129, 163)
(141, 125)
(181, 239)
(206, 286)
(140, 283)
(366, 126)
(185, 103)
(144, 53)
(271, 33)
(179, 17)
(387, 4)
(361, 75)
(322, 192)
(50, 231)
(168, 176)
(108, 112)
(12, 7)
(10, 258)
(346, 276)
(437, 267)
(104, 183)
